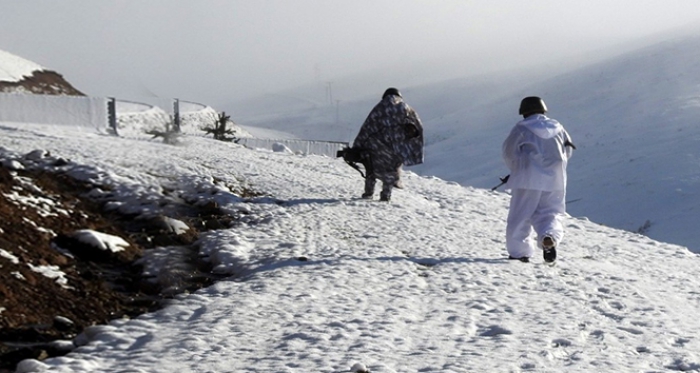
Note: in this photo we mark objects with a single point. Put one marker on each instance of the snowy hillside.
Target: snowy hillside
(310, 112)
(14, 68)
(634, 120)
(633, 117)
(325, 282)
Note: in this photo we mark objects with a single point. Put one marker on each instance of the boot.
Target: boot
(549, 249)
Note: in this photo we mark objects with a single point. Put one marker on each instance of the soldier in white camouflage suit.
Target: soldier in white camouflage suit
(391, 136)
(537, 152)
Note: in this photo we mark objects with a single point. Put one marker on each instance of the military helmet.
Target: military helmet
(391, 92)
(532, 104)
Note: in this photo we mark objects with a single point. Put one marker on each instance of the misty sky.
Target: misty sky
(219, 51)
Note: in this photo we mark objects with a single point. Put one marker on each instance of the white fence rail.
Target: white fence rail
(327, 148)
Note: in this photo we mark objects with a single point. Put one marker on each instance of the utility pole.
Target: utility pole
(329, 92)
(112, 115)
(337, 112)
(176, 111)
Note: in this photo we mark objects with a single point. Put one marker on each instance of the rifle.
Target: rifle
(503, 181)
(353, 156)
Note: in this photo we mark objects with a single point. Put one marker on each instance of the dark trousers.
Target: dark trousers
(387, 170)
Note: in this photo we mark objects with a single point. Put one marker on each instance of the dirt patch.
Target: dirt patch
(52, 285)
(44, 82)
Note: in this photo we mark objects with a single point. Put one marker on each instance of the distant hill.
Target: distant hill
(634, 119)
(19, 75)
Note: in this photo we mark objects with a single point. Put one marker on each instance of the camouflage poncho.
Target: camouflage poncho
(392, 131)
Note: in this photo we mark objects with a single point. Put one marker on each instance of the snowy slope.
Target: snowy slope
(633, 118)
(322, 281)
(14, 68)
(634, 121)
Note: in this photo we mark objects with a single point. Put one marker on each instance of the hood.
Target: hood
(542, 126)
(394, 99)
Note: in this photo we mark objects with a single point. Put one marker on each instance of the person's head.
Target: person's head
(532, 105)
(391, 92)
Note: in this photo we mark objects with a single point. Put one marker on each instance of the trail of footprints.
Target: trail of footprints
(608, 302)
(621, 304)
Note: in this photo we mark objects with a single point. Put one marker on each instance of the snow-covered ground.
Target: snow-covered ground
(322, 281)
(634, 118)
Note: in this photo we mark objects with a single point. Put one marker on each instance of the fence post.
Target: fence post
(176, 111)
(112, 115)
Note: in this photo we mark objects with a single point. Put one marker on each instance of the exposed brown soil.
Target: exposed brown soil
(42, 82)
(101, 286)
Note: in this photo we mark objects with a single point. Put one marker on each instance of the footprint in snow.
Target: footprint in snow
(495, 330)
(561, 342)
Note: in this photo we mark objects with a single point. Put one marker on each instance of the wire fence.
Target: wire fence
(130, 118)
(90, 112)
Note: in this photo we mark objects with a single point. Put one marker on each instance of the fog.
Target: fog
(220, 51)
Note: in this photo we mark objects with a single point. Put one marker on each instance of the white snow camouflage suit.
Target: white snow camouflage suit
(536, 152)
(392, 136)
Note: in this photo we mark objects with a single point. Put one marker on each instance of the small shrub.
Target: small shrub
(170, 136)
(219, 129)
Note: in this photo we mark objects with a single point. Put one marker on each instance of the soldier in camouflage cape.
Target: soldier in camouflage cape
(391, 136)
